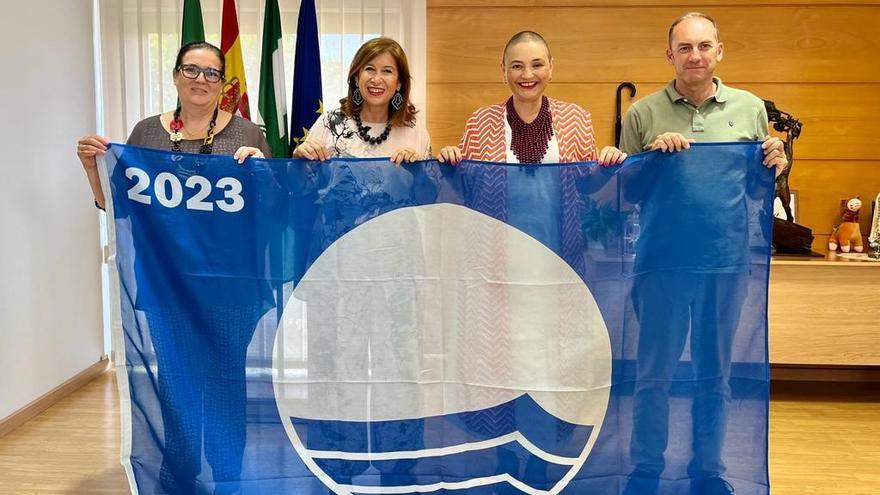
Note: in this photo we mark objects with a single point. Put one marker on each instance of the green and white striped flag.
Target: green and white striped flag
(273, 101)
(193, 29)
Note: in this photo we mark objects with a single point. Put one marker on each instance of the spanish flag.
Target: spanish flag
(234, 97)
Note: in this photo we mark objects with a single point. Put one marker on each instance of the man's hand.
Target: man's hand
(671, 141)
(774, 154)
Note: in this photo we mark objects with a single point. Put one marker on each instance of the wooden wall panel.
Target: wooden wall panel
(837, 117)
(821, 184)
(805, 44)
(815, 60)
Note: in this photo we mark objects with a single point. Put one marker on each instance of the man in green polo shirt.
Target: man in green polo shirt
(696, 106)
(705, 302)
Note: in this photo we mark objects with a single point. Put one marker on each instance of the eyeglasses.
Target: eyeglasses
(190, 71)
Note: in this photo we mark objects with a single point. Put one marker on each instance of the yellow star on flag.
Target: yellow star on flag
(305, 134)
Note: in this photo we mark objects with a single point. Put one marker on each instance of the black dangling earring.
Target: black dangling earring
(397, 100)
(356, 97)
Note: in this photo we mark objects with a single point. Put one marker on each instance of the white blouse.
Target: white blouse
(550, 156)
(339, 135)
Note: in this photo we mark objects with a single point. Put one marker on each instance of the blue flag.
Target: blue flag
(352, 327)
(307, 100)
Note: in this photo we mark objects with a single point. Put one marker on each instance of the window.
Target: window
(140, 38)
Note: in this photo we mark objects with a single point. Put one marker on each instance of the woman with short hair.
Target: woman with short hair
(529, 127)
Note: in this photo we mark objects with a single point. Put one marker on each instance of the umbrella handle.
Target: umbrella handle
(617, 121)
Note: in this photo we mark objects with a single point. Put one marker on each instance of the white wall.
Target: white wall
(50, 287)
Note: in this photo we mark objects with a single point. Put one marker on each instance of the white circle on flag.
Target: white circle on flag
(432, 311)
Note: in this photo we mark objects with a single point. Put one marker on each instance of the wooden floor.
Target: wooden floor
(71, 448)
(823, 440)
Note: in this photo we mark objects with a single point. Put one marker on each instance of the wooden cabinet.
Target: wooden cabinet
(824, 312)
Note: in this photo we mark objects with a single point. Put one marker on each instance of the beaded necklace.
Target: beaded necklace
(529, 142)
(176, 136)
(363, 130)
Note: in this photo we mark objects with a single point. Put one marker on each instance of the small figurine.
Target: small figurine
(847, 234)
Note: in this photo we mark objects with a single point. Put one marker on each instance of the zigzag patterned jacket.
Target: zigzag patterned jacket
(483, 140)
(483, 137)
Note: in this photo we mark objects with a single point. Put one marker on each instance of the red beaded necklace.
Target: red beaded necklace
(529, 142)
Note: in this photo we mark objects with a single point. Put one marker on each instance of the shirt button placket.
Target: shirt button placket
(698, 121)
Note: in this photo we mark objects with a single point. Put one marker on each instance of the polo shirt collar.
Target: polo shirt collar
(721, 94)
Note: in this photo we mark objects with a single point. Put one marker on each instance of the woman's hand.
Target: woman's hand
(244, 152)
(450, 154)
(611, 156)
(88, 148)
(405, 155)
(311, 150)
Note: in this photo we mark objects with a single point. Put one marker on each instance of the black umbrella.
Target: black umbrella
(618, 123)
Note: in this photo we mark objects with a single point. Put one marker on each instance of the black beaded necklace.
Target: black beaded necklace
(364, 130)
(176, 136)
(529, 142)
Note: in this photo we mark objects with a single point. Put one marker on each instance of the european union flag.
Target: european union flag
(352, 327)
(307, 100)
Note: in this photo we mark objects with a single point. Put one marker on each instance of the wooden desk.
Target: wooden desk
(824, 312)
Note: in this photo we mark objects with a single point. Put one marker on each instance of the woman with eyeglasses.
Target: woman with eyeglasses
(200, 357)
(197, 125)
(376, 118)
